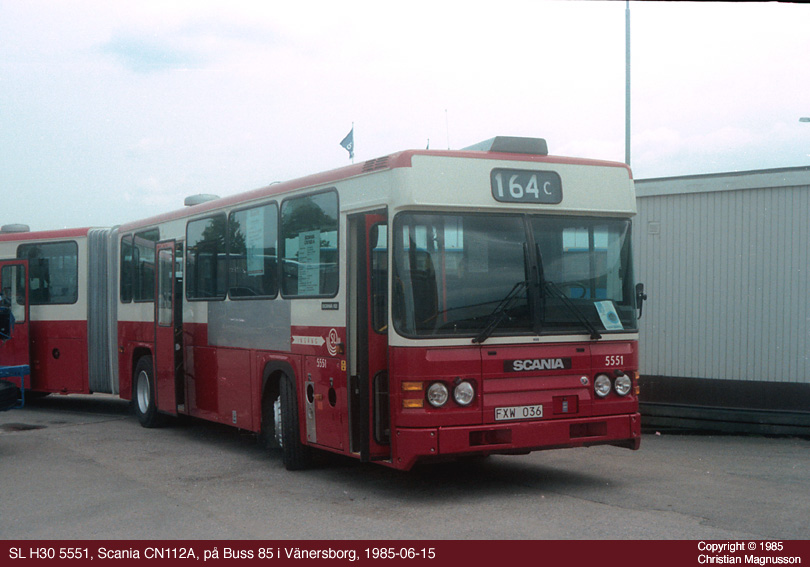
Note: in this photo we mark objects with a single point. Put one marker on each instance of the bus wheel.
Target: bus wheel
(143, 393)
(295, 455)
(270, 434)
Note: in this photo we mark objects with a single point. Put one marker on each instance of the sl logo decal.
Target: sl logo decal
(332, 342)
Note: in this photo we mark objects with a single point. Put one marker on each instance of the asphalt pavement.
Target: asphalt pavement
(81, 467)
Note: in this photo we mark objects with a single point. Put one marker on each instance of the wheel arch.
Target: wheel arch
(271, 375)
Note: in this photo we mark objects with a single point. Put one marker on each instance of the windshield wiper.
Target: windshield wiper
(498, 314)
(558, 293)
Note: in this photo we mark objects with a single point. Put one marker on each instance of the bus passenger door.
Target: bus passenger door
(167, 346)
(369, 400)
(14, 316)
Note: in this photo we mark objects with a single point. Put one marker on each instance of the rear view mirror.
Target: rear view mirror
(641, 297)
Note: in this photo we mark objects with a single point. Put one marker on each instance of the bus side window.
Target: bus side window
(253, 256)
(144, 264)
(53, 276)
(126, 269)
(309, 244)
(206, 258)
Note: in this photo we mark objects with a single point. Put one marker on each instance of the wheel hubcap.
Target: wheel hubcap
(277, 418)
(142, 392)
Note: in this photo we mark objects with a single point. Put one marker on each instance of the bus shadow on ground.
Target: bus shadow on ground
(497, 475)
(97, 404)
(40, 412)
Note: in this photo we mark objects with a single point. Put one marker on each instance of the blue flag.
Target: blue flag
(348, 143)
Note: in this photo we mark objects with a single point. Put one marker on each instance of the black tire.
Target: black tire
(9, 395)
(295, 455)
(143, 394)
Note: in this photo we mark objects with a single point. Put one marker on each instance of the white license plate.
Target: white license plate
(518, 412)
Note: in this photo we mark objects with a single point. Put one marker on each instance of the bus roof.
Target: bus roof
(44, 234)
(400, 159)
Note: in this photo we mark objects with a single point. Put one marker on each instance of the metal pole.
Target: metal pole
(447, 127)
(627, 84)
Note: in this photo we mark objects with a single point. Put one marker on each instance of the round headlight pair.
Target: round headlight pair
(438, 394)
(602, 385)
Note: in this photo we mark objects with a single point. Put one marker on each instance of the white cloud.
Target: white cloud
(147, 54)
(162, 100)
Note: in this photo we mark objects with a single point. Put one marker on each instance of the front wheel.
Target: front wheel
(270, 434)
(295, 455)
(143, 393)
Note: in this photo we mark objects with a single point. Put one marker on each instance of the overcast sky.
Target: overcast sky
(114, 111)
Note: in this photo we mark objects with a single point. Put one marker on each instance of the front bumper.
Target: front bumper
(411, 445)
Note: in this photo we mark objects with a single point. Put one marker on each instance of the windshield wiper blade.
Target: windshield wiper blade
(499, 313)
(558, 293)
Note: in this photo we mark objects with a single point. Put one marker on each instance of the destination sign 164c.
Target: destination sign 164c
(526, 186)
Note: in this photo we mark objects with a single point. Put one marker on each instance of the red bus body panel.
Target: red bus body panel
(572, 414)
(59, 357)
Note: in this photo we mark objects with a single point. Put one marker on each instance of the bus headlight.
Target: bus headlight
(437, 394)
(463, 393)
(623, 385)
(601, 385)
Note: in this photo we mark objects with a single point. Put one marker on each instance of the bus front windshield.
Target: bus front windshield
(478, 275)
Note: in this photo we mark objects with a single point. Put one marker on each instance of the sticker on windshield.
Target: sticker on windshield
(607, 313)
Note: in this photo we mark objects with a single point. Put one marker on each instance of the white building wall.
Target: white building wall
(725, 261)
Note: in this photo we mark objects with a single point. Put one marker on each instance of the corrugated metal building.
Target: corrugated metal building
(725, 334)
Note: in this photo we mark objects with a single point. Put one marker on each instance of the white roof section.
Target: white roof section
(731, 181)
(437, 181)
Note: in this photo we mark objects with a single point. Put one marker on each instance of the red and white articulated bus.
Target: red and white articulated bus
(55, 285)
(420, 306)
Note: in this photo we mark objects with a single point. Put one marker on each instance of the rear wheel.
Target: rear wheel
(143, 393)
(295, 455)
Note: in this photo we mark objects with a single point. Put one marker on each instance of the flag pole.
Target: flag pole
(447, 127)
